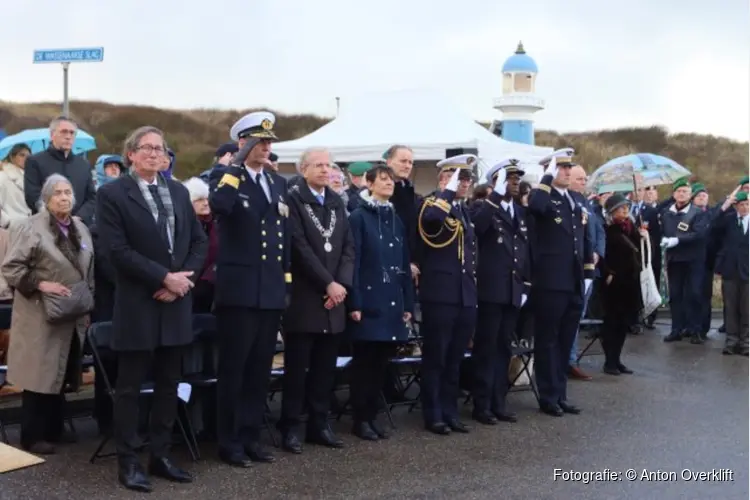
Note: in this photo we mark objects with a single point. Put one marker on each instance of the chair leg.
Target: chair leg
(269, 427)
(387, 410)
(186, 429)
(3, 434)
(101, 446)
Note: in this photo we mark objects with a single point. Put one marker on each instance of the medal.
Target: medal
(245, 204)
(500, 240)
(325, 233)
(328, 247)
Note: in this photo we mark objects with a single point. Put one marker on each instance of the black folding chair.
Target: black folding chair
(593, 327)
(99, 335)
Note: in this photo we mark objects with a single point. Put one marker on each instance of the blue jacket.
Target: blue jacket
(381, 287)
(101, 162)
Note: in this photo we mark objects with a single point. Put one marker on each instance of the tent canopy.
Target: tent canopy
(424, 120)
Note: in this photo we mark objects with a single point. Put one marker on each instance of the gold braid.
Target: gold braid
(451, 224)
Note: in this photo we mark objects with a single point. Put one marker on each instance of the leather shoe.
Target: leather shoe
(505, 416)
(569, 408)
(363, 431)
(235, 459)
(290, 442)
(484, 417)
(610, 370)
(65, 437)
(673, 337)
(40, 448)
(382, 434)
(133, 478)
(257, 453)
(457, 426)
(552, 410)
(624, 369)
(576, 373)
(324, 437)
(165, 469)
(439, 428)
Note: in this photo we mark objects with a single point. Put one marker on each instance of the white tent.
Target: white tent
(424, 120)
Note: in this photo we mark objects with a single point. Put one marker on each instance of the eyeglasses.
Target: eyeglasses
(149, 149)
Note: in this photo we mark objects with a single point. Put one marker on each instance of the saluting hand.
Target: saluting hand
(501, 183)
(453, 182)
(552, 168)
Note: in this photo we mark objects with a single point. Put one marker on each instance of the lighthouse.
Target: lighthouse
(519, 101)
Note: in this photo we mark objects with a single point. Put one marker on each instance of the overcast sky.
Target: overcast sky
(679, 63)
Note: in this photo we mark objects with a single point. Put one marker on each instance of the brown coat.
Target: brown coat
(38, 353)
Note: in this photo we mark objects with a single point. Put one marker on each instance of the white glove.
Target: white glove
(669, 242)
(453, 183)
(586, 285)
(501, 183)
(552, 168)
(524, 298)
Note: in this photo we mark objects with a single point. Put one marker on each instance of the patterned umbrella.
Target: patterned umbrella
(645, 169)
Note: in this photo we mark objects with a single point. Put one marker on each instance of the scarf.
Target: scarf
(625, 224)
(166, 199)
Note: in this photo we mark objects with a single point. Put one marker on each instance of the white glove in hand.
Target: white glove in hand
(672, 242)
(552, 168)
(587, 285)
(501, 183)
(453, 183)
(524, 298)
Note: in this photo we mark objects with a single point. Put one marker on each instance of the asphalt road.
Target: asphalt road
(685, 408)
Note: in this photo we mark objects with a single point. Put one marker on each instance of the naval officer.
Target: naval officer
(252, 277)
(502, 287)
(563, 271)
(447, 292)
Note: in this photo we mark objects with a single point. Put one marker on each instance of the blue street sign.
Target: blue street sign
(91, 54)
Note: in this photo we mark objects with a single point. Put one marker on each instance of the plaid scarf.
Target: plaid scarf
(166, 198)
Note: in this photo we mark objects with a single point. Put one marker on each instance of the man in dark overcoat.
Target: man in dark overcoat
(157, 248)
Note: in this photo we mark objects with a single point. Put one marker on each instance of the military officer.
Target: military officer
(252, 278)
(684, 228)
(447, 292)
(562, 272)
(502, 287)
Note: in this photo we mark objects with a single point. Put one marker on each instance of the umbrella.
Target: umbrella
(38, 140)
(643, 169)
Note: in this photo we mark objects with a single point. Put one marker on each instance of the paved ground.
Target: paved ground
(685, 408)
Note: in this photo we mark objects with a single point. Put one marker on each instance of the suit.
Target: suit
(252, 282)
(148, 333)
(448, 297)
(732, 265)
(563, 260)
(503, 285)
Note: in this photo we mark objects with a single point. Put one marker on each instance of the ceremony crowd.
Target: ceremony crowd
(337, 261)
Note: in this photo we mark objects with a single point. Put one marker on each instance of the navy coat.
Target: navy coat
(690, 227)
(732, 262)
(382, 289)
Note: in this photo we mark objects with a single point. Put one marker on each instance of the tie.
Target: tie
(257, 179)
(320, 199)
(161, 221)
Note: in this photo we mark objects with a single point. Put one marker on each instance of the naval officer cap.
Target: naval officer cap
(258, 125)
(563, 157)
(465, 162)
(509, 164)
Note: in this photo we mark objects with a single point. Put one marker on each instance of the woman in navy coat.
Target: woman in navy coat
(381, 301)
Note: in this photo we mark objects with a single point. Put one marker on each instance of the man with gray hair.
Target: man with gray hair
(58, 158)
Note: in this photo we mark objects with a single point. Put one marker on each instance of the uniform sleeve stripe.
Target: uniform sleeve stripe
(443, 205)
(588, 267)
(544, 188)
(287, 277)
(229, 179)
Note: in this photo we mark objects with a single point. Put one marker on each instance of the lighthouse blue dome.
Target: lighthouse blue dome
(520, 61)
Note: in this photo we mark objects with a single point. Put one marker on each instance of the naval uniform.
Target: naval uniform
(502, 286)
(448, 298)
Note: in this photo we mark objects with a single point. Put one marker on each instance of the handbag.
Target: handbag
(60, 309)
(649, 291)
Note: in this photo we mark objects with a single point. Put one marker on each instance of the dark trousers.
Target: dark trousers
(446, 330)
(735, 293)
(309, 378)
(369, 368)
(165, 363)
(614, 331)
(496, 324)
(656, 268)
(557, 315)
(247, 344)
(42, 417)
(685, 282)
(706, 294)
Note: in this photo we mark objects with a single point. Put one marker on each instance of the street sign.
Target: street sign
(91, 54)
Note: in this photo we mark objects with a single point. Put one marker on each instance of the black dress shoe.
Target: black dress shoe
(65, 437)
(165, 469)
(133, 478)
(457, 426)
(610, 370)
(363, 431)
(257, 453)
(382, 434)
(291, 443)
(39, 448)
(235, 459)
(673, 337)
(324, 437)
(484, 417)
(569, 408)
(624, 369)
(505, 416)
(552, 410)
(439, 428)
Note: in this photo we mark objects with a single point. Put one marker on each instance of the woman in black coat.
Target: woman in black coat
(322, 267)
(381, 302)
(621, 293)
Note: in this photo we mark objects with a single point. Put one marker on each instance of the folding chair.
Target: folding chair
(3, 373)
(594, 328)
(99, 335)
(343, 363)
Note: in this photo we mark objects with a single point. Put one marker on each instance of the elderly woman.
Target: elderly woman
(621, 293)
(203, 293)
(13, 206)
(49, 255)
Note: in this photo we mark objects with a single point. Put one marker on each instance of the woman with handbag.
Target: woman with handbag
(49, 265)
(621, 293)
